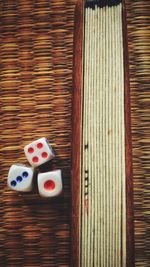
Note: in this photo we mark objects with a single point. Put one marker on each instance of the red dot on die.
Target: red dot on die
(49, 185)
(44, 155)
(39, 145)
(35, 159)
(30, 150)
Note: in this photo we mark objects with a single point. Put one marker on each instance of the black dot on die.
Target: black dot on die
(13, 183)
(19, 179)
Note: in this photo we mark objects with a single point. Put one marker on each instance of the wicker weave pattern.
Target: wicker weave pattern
(36, 82)
(139, 56)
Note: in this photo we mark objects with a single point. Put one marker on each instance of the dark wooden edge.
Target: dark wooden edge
(128, 150)
(76, 133)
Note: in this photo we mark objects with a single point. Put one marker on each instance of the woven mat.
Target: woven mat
(36, 84)
(36, 81)
(139, 64)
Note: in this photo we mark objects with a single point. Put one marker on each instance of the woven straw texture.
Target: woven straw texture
(36, 81)
(36, 84)
(139, 63)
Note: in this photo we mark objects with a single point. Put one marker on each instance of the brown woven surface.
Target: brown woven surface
(139, 56)
(36, 85)
(36, 82)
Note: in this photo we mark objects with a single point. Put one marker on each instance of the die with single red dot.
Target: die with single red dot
(20, 178)
(50, 183)
(38, 152)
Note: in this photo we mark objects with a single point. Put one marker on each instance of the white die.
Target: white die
(50, 183)
(38, 152)
(20, 178)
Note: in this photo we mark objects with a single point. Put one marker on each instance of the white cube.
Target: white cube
(20, 178)
(50, 183)
(38, 152)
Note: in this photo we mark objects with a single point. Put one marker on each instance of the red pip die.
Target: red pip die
(38, 152)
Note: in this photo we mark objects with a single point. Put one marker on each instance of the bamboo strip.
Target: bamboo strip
(103, 144)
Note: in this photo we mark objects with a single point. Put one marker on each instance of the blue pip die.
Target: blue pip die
(20, 178)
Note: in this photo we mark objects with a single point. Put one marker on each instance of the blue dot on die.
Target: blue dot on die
(25, 174)
(13, 183)
(19, 179)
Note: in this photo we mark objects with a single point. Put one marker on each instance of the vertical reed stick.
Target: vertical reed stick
(100, 222)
